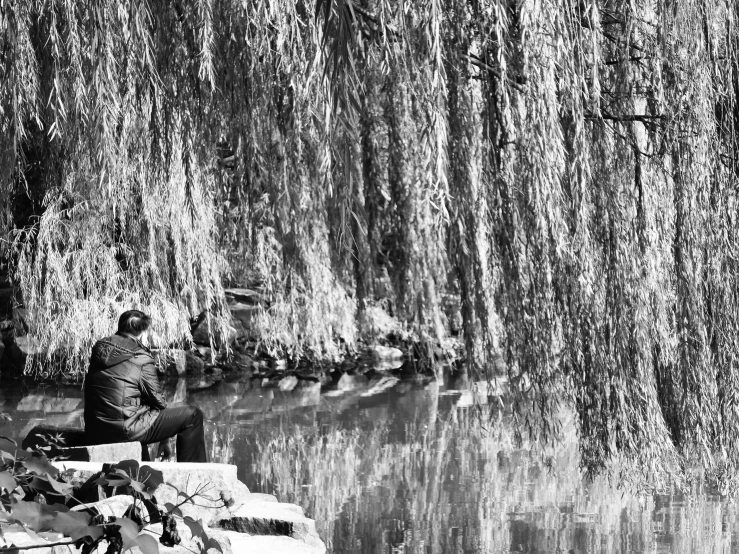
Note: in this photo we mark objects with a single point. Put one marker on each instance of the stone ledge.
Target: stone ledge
(77, 447)
(111, 453)
(15, 534)
(263, 515)
(273, 518)
(181, 478)
(260, 544)
(72, 436)
(255, 515)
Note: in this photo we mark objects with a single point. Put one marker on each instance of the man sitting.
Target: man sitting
(123, 402)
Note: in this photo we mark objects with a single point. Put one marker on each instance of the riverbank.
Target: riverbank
(383, 345)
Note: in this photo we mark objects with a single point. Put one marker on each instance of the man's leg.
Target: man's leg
(187, 423)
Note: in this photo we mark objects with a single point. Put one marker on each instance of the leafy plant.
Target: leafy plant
(33, 494)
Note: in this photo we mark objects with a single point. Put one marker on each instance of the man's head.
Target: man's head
(134, 323)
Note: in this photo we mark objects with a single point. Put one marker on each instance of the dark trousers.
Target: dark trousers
(187, 423)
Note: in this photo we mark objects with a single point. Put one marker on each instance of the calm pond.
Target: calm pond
(389, 466)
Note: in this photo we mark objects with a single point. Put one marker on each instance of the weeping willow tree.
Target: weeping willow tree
(562, 171)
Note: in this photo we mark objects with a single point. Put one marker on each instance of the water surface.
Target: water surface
(389, 466)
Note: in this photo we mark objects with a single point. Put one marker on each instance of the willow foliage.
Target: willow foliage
(565, 170)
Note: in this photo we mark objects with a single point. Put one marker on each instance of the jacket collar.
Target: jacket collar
(136, 341)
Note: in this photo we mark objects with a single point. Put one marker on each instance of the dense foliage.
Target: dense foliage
(565, 170)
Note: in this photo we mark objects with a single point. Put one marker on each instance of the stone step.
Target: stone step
(110, 453)
(213, 481)
(244, 295)
(16, 534)
(265, 544)
(71, 436)
(276, 528)
(272, 518)
(76, 447)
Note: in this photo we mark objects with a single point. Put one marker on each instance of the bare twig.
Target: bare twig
(198, 492)
(374, 19)
(643, 118)
(34, 546)
(630, 59)
(477, 62)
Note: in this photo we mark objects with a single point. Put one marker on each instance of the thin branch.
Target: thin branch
(477, 62)
(198, 492)
(34, 546)
(373, 18)
(625, 60)
(618, 43)
(643, 118)
(180, 545)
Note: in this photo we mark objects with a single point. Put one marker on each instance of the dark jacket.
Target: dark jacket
(122, 395)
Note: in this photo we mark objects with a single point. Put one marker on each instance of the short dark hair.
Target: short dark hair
(133, 322)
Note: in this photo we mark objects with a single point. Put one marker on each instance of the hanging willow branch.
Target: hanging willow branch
(549, 183)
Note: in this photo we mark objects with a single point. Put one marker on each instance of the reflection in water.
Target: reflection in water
(408, 467)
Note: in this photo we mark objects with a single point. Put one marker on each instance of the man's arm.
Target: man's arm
(150, 391)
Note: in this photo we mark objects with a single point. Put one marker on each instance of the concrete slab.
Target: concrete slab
(265, 544)
(273, 518)
(111, 453)
(180, 481)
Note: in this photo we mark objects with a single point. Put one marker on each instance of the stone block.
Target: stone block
(247, 296)
(269, 544)
(205, 352)
(113, 506)
(242, 360)
(190, 545)
(170, 360)
(193, 364)
(115, 452)
(388, 365)
(273, 518)
(286, 384)
(177, 362)
(69, 436)
(387, 352)
(212, 480)
(261, 497)
(181, 479)
(16, 534)
(201, 334)
(244, 314)
(73, 420)
(73, 445)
